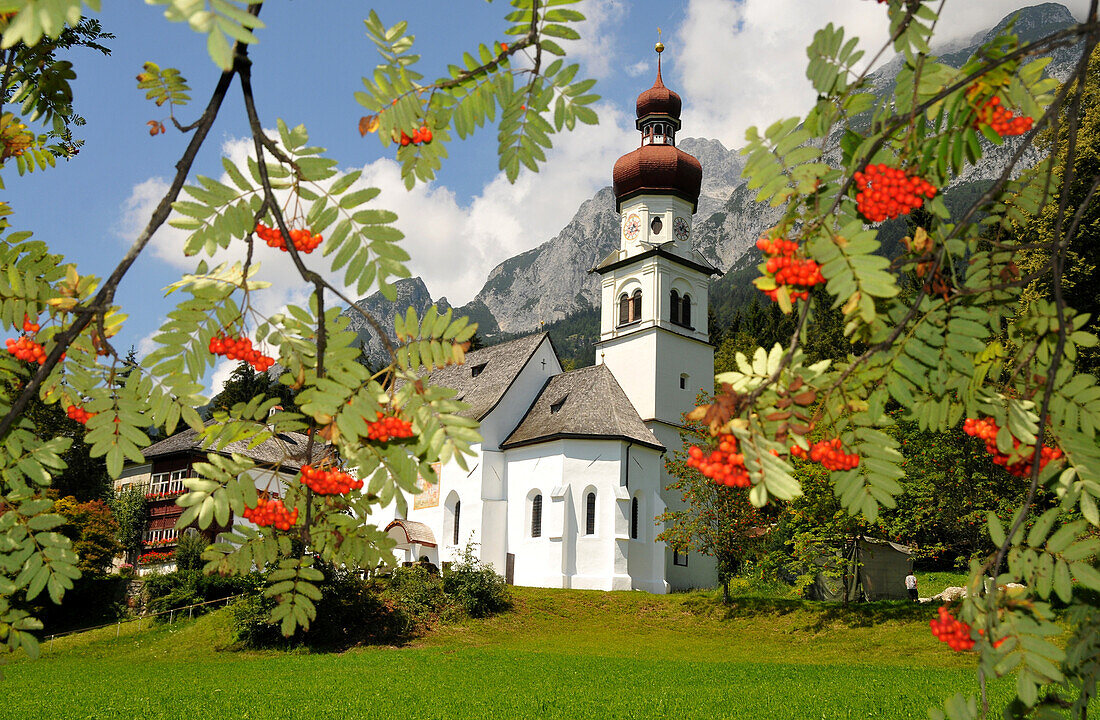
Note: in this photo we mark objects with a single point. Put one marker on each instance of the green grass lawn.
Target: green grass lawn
(558, 654)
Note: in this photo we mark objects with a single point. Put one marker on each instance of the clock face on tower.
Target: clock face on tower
(680, 229)
(632, 227)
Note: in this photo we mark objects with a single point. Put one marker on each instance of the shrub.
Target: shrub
(476, 587)
(93, 600)
(351, 611)
(174, 590)
(418, 592)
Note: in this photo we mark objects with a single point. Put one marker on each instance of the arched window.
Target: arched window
(634, 519)
(685, 311)
(536, 516)
(630, 308)
(674, 307)
(590, 514)
(458, 514)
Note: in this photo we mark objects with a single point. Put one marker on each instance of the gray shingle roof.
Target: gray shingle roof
(584, 403)
(487, 373)
(286, 448)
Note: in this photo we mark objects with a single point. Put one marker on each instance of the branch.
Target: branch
(106, 294)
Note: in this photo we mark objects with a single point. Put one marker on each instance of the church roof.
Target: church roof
(694, 259)
(657, 169)
(487, 373)
(583, 403)
(658, 100)
(286, 448)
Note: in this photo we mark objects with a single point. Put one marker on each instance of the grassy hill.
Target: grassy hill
(557, 654)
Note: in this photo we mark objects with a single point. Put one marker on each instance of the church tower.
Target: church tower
(653, 324)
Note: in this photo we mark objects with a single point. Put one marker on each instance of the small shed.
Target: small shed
(882, 567)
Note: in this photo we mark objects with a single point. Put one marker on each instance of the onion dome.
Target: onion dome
(658, 100)
(657, 170)
(658, 167)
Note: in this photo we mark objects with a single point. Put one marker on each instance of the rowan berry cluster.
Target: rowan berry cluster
(26, 349)
(724, 465)
(886, 192)
(29, 326)
(329, 482)
(304, 242)
(986, 429)
(423, 134)
(388, 427)
(829, 454)
(240, 349)
(271, 512)
(951, 631)
(82, 416)
(799, 274)
(1000, 118)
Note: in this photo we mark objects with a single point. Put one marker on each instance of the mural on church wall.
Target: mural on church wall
(428, 497)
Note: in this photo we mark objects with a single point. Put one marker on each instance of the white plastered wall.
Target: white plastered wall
(564, 472)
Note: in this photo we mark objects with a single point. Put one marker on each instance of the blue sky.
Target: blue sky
(734, 63)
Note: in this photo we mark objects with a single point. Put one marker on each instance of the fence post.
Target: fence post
(118, 629)
(191, 612)
(171, 616)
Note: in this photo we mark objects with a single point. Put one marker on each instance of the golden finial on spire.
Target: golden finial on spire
(660, 46)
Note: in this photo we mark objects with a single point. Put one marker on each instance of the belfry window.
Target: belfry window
(630, 308)
(679, 309)
(659, 133)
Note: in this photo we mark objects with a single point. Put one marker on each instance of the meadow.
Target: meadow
(557, 654)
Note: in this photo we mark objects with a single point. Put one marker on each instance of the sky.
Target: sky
(735, 63)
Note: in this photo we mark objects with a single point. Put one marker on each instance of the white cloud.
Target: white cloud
(638, 69)
(598, 49)
(453, 245)
(743, 63)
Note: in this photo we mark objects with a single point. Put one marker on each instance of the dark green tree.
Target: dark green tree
(714, 520)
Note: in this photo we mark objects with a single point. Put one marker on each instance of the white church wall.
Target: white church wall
(539, 561)
(632, 360)
(596, 466)
(680, 358)
(645, 556)
(517, 400)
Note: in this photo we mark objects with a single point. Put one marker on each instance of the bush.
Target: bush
(418, 592)
(351, 611)
(94, 599)
(174, 590)
(475, 587)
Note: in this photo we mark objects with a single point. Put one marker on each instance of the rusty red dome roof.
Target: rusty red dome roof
(658, 169)
(658, 100)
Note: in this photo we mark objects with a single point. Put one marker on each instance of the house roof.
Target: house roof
(583, 403)
(286, 448)
(487, 373)
(413, 532)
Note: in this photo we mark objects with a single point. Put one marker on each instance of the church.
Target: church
(565, 486)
